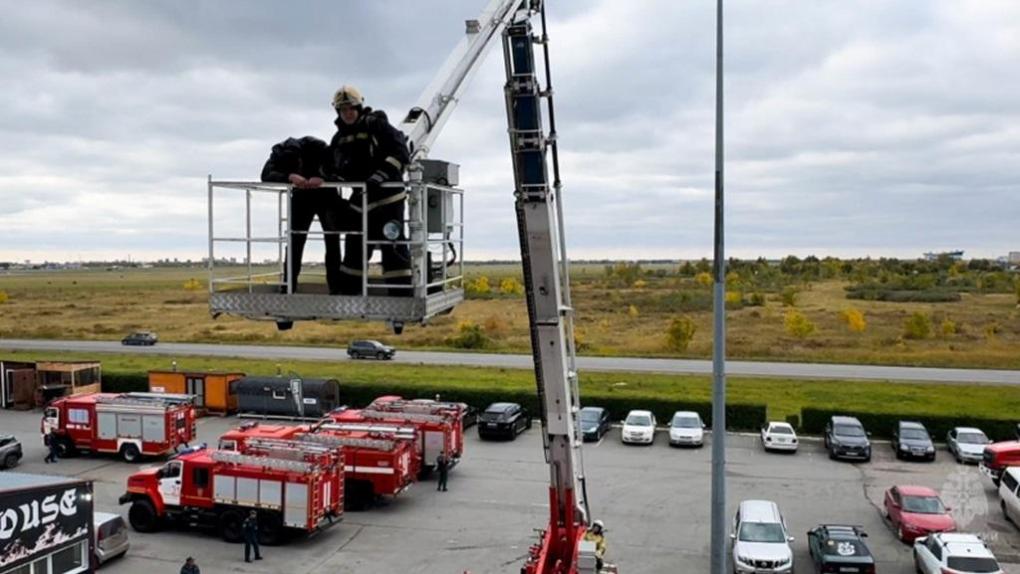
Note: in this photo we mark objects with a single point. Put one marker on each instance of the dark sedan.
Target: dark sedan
(506, 420)
(838, 548)
(140, 338)
(911, 440)
(845, 437)
(594, 423)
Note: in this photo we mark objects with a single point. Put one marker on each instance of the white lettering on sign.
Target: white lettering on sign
(33, 514)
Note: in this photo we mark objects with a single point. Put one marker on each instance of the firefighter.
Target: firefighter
(250, 530)
(366, 148)
(597, 533)
(53, 452)
(443, 467)
(302, 163)
(190, 567)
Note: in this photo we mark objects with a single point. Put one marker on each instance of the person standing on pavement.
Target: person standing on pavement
(50, 439)
(250, 530)
(443, 467)
(190, 567)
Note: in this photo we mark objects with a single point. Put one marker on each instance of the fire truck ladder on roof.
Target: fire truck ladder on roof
(415, 417)
(336, 441)
(407, 433)
(429, 408)
(136, 401)
(289, 449)
(263, 461)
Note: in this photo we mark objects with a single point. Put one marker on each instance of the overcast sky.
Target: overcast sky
(853, 128)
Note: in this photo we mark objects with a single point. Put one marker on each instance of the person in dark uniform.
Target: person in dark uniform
(302, 162)
(53, 452)
(443, 468)
(190, 567)
(250, 531)
(366, 148)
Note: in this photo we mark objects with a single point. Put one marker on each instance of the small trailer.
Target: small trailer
(287, 398)
(131, 426)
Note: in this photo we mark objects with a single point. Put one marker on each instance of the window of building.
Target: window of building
(78, 416)
(68, 560)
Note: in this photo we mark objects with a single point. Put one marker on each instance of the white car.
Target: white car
(638, 428)
(953, 553)
(110, 536)
(761, 541)
(778, 436)
(967, 444)
(686, 428)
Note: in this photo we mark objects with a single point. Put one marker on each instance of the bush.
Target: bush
(192, 284)
(734, 300)
(854, 320)
(470, 336)
(704, 279)
(479, 286)
(917, 326)
(948, 328)
(798, 325)
(125, 382)
(632, 311)
(789, 296)
(511, 286)
(680, 333)
(757, 300)
(640, 284)
(794, 421)
(903, 296)
(882, 424)
(4, 297)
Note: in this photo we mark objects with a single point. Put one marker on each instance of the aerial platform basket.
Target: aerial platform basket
(249, 243)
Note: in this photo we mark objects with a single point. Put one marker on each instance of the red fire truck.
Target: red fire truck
(130, 426)
(378, 461)
(292, 487)
(437, 433)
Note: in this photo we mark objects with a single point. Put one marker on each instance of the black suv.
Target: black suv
(140, 338)
(10, 451)
(911, 440)
(839, 548)
(845, 437)
(503, 420)
(364, 349)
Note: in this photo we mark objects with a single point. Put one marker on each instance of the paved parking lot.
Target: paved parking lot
(654, 500)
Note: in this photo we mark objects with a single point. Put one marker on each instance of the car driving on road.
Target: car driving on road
(638, 428)
(370, 349)
(147, 338)
(845, 437)
(967, 444)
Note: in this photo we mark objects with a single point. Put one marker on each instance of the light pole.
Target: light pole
(719, 537)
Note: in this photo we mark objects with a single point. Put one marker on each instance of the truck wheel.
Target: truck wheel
(270, 528)
(11, 460)
(357, 495)
(130, 453)
(142, 516)
(230, 525)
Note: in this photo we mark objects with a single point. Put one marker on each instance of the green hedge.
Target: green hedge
(738, 416)
(882, 425)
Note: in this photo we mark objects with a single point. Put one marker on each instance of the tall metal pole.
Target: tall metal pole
(719, 537)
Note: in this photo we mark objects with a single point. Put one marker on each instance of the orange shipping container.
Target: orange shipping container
(214, 392)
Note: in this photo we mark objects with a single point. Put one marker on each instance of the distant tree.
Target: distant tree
(790, 265)
(680, 333)
(733, 280)
(947, 327)
(470, 336)
(687, 269)
(917, 326)
(854, 320)
(703, 266)
(789, 296)
(704, 279)
(797, 324)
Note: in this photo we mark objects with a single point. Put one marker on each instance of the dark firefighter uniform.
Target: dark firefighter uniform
(309, 157)
(372, 151)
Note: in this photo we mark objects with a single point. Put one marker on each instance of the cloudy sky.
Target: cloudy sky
(853, 128)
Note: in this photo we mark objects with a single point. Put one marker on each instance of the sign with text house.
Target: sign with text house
(34, 522)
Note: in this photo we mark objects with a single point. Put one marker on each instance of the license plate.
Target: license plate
(848, 569)
(491, 425)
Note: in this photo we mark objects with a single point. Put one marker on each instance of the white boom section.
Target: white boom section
(426, 120)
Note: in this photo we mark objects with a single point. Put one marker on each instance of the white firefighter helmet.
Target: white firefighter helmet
(599, 524)
(347, 96)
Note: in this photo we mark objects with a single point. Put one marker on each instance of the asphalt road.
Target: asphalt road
(654, 500)
(634, 365)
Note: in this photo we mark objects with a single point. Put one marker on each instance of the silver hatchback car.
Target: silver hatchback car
(111, 535)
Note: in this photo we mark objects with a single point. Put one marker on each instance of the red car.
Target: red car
(916, 511)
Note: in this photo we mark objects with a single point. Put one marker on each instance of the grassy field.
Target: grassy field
(611, 319)
(783, 397)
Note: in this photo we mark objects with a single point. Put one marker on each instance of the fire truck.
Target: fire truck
(435, 433)
(292, 487)
(379, 461)
(131, 426)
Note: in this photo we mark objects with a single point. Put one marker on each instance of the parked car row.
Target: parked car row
(761, 540)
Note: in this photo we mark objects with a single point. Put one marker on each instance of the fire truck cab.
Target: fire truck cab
(291, 489)
(132, 427)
